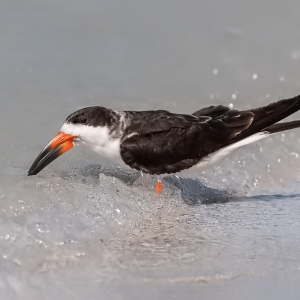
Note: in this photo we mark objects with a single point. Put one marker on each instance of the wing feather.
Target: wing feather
(177, 142)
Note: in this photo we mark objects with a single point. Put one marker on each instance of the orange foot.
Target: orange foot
(158, 186)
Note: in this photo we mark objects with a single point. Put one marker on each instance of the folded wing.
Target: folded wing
(177, 142)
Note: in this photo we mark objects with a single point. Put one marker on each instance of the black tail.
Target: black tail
(283, 126)
(266, 117)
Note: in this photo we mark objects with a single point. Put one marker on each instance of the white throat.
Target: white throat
(97, 139)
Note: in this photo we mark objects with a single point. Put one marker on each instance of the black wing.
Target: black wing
(167, 143)
(212, 111)
(264, 117)
(159, 120)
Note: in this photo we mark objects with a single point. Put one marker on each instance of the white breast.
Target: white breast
(98, 140)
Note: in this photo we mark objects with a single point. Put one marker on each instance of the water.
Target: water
(85, 229)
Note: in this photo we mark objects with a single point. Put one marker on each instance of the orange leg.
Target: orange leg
(158, 186)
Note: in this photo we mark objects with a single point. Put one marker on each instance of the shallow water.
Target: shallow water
(84, 228)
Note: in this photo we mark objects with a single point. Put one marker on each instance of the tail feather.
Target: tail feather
(265, 117)
(282, 126)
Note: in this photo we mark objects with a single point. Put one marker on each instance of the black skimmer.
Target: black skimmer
(160, 142)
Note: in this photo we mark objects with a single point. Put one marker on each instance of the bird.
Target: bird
(160, 142)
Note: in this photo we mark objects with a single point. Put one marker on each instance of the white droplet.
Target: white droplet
(233, 96)
(295, 154)
(254, 76)
(278, 160)
(230, 105)
(281, 78)
(215, 71)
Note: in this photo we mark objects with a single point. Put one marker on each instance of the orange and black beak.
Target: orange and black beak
(60, 144)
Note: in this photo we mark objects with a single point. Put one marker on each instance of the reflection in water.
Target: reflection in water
(194, 192)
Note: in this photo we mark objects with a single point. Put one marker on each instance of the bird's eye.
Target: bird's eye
(83, 120)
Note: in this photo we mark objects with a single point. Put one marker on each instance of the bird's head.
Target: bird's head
(84, 126)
